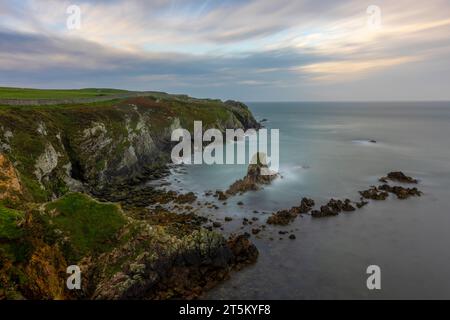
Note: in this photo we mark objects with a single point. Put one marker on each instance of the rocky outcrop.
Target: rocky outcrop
(400, 192)
(284, 217)
(195, 263)
(374, 193)
(258, 174)
(399, 177)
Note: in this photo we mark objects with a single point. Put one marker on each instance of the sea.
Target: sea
(333, 150)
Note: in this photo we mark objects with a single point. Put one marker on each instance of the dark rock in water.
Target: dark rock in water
(228, 219)
(333, 205)
(362, 203)
(244, 252)
(374, 194)
(292, 237)
(372, 141)
(283, 217)
(398, 176)
(347, 206)
(258, 174)
(221, 196)
(256, 230)
(217, 224)
(325, 211)
(306, 205)
(282, 232)
(240, 203)
(400, 192)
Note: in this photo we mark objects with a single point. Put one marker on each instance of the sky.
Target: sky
(255, 50)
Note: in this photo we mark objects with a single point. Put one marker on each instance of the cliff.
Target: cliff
(55, 159)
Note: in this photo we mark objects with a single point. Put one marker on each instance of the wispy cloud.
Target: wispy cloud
(196, 46)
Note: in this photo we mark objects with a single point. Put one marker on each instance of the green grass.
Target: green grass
(25, 93)
(92, 227)
(9, 219)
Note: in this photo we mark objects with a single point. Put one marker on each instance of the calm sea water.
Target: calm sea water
(324, 154)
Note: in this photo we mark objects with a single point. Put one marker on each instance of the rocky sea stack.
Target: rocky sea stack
(258, 174)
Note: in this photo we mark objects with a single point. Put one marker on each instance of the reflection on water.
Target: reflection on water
(325, 151)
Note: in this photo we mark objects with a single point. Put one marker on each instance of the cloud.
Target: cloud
(192, 46)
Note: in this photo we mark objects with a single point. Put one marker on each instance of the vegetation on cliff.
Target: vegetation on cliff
(56, 159)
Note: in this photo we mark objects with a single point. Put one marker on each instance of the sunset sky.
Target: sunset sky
(256, 50)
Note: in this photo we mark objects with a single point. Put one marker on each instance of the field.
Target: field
(25, 93)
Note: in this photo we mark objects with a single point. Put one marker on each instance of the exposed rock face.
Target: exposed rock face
(10, 186)
(258, 174)
(46, 163)
(243, 114)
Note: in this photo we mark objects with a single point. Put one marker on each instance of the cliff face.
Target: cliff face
(54, 158)
(56, 150)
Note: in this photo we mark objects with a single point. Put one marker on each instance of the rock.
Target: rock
(228, 219)
(282, 217)
(240, 203)
(256, 230)
(347, 206)
(400, 192)
(221, 196)
(362, 203)
(244, 252)
(257, 174)
(292, 237)
(374, 194)
(325, 211)
(399, 177)
(217, 224)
